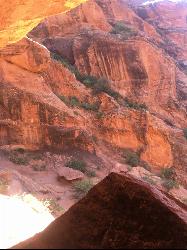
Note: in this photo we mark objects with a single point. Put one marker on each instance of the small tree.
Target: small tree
(77, 165)
(131, 158)
(81, 188)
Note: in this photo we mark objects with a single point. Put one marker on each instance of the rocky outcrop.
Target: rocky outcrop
(31, 112)
(169, 19)
(19, 17)
(137, 69)
(120, 212)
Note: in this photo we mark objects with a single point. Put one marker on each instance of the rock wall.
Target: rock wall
(19, 17)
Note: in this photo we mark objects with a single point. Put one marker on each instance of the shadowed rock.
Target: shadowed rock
(120, 212)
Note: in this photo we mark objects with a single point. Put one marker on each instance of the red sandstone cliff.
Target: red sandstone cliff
(46, 105)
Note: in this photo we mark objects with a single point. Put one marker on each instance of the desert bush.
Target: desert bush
(131, 158)
(149, 180)
(38, 167)
(167, 173)
(99, 114)
(170, 184)
(19, 159)
(91, 107)
(53, 206)
(91, 173)
(81, 188)
(63, 61)
(20, 150)
(145, 165)
(89, 80)
(63, 98)
(134, 105)
(124, 30)
(77, 165)
(74, 101)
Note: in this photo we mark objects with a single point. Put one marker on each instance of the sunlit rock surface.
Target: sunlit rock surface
(17, 17)
(21, 218)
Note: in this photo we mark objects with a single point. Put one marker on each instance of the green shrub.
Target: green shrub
(74, 101)
(18, 159)
(102, 85)
(81, 188)
(91, 173)
(63, 98)
(89, 81)
(167, 173)
(185, 132)
(149, 180)
(124, 30)
(131, 158)
(145, 165)
(170, 184)
(53, 206)
(39, 168)
(77, 165)
(20, 150)
(134, 105)
(91, 107)
(64, 61)
(99, 114)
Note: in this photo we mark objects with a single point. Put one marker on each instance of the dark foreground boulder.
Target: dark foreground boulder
(120, 212)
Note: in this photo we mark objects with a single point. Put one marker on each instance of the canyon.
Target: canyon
(93, 91)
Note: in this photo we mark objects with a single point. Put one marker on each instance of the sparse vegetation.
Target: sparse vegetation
(64, 61)
(89, 106)
(23, 157)
(99, 114)
(102, 85)
(149, 180)
(81, 166)
(74, 101)
(63, 98)
(77, 165)
(169, 178)
(91, 173)
(167, 173)
(20, 150)
(169, 184)
(124, 30)
(81, 188)
(97, 84)
(145, 165)
(131, 158)
(134, 105)
(89, 81)
(53, 206)
(185, 132)
(18, 158)
(38, 167)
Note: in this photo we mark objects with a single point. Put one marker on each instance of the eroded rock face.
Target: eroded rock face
(19, 17)
(31, 113)
(35, 88)
(120, 212)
